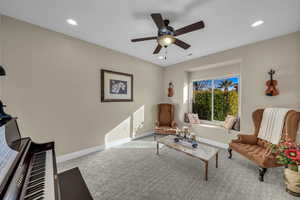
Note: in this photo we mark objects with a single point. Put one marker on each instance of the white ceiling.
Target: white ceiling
(112, 23)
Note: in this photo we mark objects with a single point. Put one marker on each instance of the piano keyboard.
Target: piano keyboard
(41, 181)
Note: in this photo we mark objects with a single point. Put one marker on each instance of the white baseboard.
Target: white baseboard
(117, 143)
(90, 150)
(213, 143)
(80, 153)
(146, 134)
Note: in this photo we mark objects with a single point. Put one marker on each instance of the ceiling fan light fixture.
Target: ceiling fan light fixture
(160, 57)
(72, 22)
(166, 34)
(166, 40)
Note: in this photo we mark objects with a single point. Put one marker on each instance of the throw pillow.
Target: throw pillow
(193, 118)
(229, 121)
(186, 118)
(236, 125)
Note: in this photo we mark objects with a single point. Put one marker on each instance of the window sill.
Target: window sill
(215, 123)
(209, 125)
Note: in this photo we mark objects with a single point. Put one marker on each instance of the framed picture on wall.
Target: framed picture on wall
(116, 86)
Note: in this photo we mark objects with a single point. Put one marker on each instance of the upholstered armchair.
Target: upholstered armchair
(165, 124)
(256, 149)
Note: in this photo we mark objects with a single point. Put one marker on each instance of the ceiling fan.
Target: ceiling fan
(166, 34)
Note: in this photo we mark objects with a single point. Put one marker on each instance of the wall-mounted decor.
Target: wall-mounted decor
(170, 90)
(116, 86)
(271, 85)
(2, 71)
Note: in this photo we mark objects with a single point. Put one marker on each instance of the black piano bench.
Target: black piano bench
(72, 186)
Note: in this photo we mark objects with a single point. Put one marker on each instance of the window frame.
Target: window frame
(191, 96)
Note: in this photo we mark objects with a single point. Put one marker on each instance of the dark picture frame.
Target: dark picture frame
(128, 87)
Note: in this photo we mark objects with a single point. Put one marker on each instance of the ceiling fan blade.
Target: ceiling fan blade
(143, 39)
(158, 20)
(182, 44)
(190, 28)
(157, 49)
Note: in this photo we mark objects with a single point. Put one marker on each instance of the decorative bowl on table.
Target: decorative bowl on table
(186, 141)
(194, 144)
(176, 139)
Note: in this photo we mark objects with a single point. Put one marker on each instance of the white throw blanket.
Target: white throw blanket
(272, 124)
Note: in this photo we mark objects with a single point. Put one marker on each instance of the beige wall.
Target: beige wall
(1, 39)
(2, 78)
(226, 70)
(281, 54)
(53, 87)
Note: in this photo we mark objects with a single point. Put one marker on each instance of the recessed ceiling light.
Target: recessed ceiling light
(160, 57)
(72, 22)
(257, 23)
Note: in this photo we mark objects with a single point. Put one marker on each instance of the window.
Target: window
(214, 99)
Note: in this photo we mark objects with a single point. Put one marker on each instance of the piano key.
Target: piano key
(35, 188)
(38, 167)
(33, 183)
(35, 195)
(40, 153)
(38, 176)
(49, 182)
(36, 185)
(37, 172)
(39, 158)
(39, 161)
(41, 172)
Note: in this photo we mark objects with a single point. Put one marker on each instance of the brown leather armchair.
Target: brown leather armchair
(256, 149)
(165, 124)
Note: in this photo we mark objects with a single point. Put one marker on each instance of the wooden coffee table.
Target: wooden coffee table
(202, 152)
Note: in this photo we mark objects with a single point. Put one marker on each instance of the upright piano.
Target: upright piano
(28, 170)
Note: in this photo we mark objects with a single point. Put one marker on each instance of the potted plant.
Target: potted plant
(288, 154)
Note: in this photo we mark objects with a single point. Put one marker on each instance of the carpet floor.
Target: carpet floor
(133, 171)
